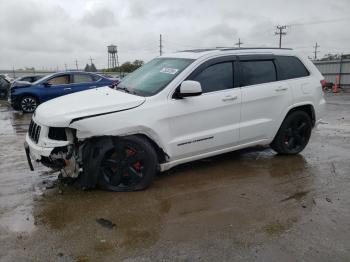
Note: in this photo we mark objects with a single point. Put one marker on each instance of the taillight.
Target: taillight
(323, 83)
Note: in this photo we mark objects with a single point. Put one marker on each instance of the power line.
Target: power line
(315, 50)
(280, 32)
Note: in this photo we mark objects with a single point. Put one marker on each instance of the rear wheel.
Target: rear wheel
(28, 104)
(294, 134)
(129, 165)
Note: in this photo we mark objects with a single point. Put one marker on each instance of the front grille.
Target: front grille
(34, 131)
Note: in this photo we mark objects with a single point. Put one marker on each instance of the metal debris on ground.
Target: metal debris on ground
(105, 223)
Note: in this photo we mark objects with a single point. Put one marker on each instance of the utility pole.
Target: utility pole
(65, 66)
(316, 51)
(160, 45)
(239, 43)
(280, 32)
(91, 60)
(76, 64)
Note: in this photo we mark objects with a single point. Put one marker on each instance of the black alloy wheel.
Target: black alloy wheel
(294, 134)
(28, 104)
(130, 165)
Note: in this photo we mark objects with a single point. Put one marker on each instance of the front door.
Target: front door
(58, 85)
(210, 121)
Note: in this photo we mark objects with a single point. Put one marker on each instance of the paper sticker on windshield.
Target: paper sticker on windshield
(168, 70)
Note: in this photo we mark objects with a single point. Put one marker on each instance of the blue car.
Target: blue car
(27, 96)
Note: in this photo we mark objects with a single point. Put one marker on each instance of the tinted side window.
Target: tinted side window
(96, 77)
(216, 77)
(83, 78)
(291, 67)
(59, 80)
(257, 72)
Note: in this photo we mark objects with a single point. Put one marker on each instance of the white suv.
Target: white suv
(175, 109)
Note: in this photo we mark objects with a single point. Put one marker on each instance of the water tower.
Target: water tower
(112, 56)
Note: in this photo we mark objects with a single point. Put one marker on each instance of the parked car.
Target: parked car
(7, 77)
(4, 87)
(175, 109)
(27, 96)
(29, 79)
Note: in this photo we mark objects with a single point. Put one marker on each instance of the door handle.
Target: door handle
(279, 89)
(229, 98)
(67, 88)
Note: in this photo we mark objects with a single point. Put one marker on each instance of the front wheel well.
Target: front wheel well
(308, 109)
(31, 95)
(160, 152)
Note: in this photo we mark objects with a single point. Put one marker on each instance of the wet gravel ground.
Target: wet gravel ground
(250, 205)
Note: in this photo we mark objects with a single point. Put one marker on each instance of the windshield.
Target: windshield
(151, 78)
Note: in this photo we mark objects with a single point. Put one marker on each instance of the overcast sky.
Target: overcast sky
(48, 33)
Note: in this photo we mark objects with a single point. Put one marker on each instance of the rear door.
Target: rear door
(210, 121)
(82, 81)
(264, 98)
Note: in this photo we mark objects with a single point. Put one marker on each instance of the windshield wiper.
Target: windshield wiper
(126, 90)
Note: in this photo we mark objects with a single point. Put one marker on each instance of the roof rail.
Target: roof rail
(249, 48)
(230, 48)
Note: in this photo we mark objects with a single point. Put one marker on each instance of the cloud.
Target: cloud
(99, 18)
(47, 33)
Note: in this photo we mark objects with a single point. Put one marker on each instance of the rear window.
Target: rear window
(257, 72)
(291, 67)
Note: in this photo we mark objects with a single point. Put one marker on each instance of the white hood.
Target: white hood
(60, 111)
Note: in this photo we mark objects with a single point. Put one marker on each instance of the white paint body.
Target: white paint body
(185, 129)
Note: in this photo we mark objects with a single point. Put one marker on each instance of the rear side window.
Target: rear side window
(257, 72)
(82, 78)
(290, 67)
(96, 77)
(216, 77)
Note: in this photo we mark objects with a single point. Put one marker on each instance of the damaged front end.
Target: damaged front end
(54, 147)
(59, 149)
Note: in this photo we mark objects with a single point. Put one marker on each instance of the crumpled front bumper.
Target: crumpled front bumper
(36, 151)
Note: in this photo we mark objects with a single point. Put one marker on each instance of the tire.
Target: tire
(130, 165)
(294, 134)
(28, 104)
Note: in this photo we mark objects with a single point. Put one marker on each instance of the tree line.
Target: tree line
(126, 67)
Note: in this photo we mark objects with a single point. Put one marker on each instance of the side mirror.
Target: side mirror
(189, 88)
(47, 84)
